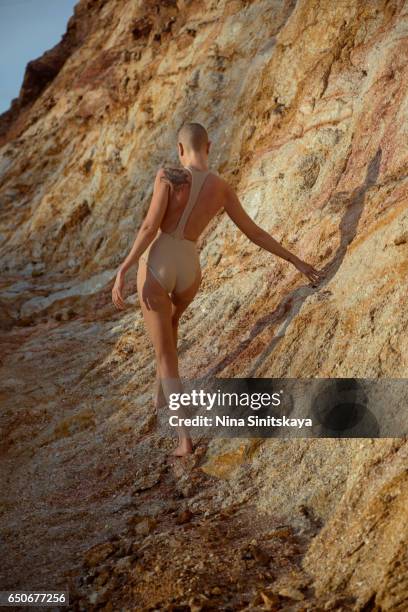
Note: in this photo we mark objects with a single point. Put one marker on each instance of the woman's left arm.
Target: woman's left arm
(145, 235)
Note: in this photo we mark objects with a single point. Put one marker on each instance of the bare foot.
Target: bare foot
(183, 449)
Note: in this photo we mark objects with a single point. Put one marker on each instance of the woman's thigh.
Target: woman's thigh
(156, 309)
(182, 299)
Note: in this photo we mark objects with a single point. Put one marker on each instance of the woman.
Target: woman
(183, 203)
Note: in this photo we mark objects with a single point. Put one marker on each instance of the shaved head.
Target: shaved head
(193, 137)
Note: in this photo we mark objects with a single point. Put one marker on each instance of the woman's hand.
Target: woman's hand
(312, 274)
(117, 290)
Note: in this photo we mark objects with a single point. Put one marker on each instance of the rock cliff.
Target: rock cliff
(306, 106)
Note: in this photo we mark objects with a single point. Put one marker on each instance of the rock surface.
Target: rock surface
(306, 105)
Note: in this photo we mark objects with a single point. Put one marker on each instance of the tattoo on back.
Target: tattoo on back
(176, 176)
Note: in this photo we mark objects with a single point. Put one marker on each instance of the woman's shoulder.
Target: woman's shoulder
(176, 176)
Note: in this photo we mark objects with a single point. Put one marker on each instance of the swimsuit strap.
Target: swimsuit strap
(197, 179)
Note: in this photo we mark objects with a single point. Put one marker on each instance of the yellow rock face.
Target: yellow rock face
(225, 460)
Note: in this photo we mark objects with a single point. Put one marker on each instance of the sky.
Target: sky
(27, 29)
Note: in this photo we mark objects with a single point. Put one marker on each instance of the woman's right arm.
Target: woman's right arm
(258, 236)
(145, 235)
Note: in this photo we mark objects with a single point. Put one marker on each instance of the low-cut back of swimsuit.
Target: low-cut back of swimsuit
(172, 259)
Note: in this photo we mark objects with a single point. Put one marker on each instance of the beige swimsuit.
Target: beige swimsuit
(172, 259)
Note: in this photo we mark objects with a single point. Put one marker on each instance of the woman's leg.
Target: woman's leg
(157, 313)
(179, 304)
(159, 397)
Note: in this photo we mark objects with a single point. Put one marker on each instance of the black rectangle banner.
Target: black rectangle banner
(289, 408)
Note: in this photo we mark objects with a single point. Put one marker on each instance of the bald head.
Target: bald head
(193, 137)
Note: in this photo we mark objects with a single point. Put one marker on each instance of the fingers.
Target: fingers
(320, 273)
(321, 276)
(117, 299)
(315, 276)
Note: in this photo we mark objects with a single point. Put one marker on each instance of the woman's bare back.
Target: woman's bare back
(208, 203)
